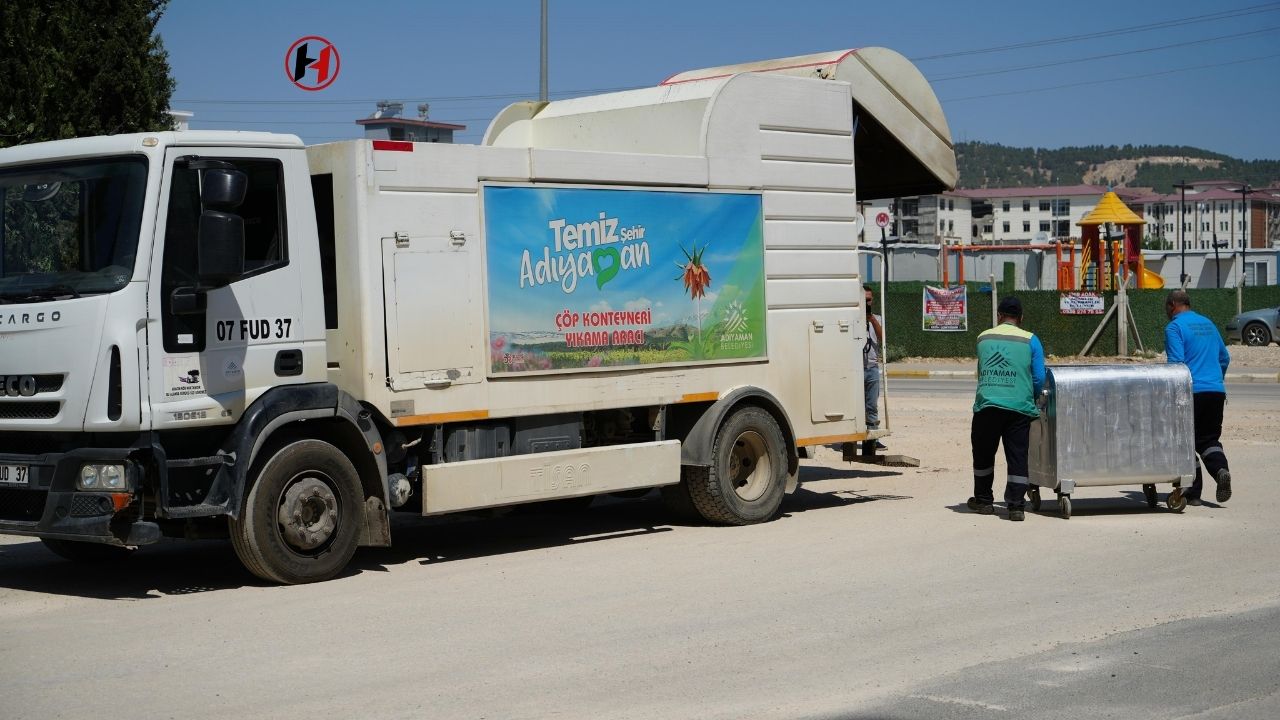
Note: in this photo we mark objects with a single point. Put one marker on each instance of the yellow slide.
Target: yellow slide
(1151, 280)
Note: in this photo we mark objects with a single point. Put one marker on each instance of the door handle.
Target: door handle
(288, 363)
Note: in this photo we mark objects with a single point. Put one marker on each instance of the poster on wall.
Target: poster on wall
(586, 279)
(1081, 303)
(946, 309)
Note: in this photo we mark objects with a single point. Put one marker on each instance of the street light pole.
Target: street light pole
(1217, 264)
(1245, 192)
(542, 75)
(1182, 230)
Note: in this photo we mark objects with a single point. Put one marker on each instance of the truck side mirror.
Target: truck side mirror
(220, 255)
(220, 252)
(223, 188)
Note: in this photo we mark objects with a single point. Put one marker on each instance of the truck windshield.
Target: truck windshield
(69, 229)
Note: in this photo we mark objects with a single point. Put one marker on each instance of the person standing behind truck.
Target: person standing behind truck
(1010, 376)
(871, 353)
(1192, 339)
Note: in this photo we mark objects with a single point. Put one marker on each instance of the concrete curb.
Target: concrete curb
(972, 374)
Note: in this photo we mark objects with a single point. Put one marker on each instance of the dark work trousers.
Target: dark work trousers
(1207, 411)
(990, 427)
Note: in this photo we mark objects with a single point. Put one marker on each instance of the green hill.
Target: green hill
(984, 165)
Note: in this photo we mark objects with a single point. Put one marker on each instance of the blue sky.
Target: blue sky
(1201, 74)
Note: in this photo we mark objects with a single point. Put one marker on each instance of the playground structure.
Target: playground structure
(1110, 245)
(1099, 246)
(1066, 272)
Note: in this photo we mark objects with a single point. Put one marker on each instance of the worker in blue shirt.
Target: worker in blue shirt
(1010, 377)
(1192, 339)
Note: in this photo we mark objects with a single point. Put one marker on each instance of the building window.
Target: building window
(986, 228)
(1061, 207)
(1044, 226)
(1006, 226)
(941, 226)
(1026, 206)
(951, 226)
(1204, 227)
(1005, 206)
(1026, 226)
(951, 204)
(910, 208)
(1044, 206)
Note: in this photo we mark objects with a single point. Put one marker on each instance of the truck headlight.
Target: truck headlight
(101, 477)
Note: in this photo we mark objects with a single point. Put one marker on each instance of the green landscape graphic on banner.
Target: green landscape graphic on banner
(580, 279)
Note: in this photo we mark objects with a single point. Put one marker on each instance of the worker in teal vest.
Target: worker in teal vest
(1010, 377)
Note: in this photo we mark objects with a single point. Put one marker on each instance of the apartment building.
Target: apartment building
(1212, 212)
(990, 216)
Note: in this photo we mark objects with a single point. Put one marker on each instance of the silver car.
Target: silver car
(1256, 327)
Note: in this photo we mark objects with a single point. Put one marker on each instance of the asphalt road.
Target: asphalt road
(875, 595)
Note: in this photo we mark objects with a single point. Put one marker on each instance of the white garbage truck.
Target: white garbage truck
(213, 334)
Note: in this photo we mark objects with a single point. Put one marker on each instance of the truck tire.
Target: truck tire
(676, 497)
(748, 477)
(300, 522)
(86, 552)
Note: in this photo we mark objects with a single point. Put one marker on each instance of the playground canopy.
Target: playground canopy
(1111, 209)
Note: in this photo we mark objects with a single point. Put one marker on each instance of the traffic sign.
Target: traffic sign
(882, 219)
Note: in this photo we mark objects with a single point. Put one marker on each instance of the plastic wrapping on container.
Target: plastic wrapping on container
(1114, 425)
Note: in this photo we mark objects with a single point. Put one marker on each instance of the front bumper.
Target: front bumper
(1233, 332)
(50, 506)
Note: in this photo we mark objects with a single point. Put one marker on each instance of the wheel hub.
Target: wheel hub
(308, 513)
(749, 466)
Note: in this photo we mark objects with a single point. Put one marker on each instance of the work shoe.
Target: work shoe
(1017, 514)
(1224, 485)
(982, 508)
(1194, 502)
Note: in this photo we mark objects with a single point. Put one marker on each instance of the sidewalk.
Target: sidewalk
(943, 369)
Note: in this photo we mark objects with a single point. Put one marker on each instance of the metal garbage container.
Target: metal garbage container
(1113, 425)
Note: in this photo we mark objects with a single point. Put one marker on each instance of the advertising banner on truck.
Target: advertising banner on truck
(583, 279)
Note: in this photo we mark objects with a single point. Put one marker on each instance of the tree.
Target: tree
(73, 68)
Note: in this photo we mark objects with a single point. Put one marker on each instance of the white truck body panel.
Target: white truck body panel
(471, 484)
(439, 366)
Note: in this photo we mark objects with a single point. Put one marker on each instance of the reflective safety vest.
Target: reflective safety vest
(1004, 370)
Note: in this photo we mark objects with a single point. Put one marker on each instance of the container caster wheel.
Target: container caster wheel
(1150, 492)
(1064, 505)
(1035, 498)
(1176, 501)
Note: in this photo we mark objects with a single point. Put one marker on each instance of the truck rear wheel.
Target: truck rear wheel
(86, 552)
(301, 519)
(748, 477)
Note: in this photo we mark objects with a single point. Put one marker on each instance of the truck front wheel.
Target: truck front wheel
(748, 477)
(300, 520)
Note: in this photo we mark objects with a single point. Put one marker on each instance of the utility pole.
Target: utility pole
(542, 85)
(1245, 192)
(1182, 230)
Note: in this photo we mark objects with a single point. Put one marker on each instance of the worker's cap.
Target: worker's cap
(1010, 306)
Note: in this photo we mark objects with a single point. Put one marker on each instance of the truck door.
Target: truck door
(209, 362)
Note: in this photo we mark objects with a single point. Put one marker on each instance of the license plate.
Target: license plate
(15, 474)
